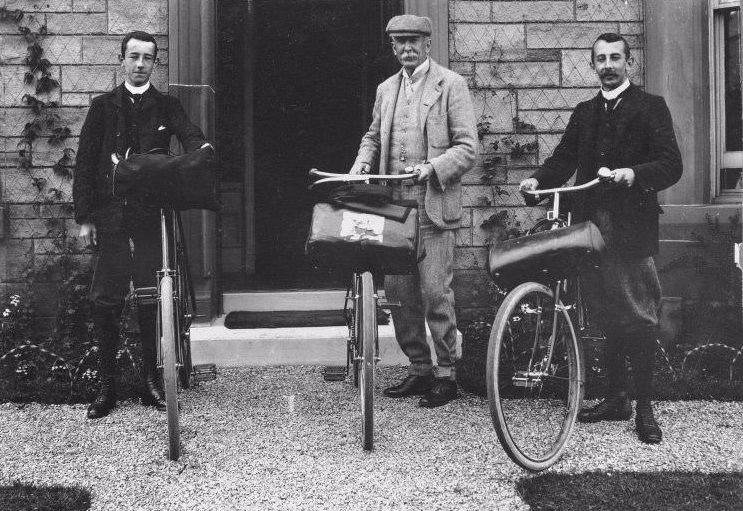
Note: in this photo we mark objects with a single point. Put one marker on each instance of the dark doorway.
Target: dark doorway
(317, 64)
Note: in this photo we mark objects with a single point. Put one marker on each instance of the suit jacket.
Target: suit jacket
(448, 122)
(643, 141)
(103, 133)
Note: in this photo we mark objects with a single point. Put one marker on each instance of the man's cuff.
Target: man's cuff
(645, 187)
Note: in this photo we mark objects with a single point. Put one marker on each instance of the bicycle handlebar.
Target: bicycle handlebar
(330, 177)
(603, 173)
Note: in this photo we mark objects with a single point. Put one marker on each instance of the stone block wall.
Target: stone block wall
(82, 42)
(528, 65)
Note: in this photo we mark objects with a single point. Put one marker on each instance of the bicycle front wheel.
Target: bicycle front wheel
(367, 342)
(169, 358)
(534, 376)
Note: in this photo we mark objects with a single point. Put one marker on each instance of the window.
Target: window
(726, 99)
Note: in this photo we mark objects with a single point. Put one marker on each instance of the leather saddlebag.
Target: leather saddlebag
(187, 181)
(546, 256)
(346, 239)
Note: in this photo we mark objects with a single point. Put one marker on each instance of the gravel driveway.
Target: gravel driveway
(282, 438)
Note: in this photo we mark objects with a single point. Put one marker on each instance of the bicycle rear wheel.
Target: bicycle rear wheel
(534, 376)
(186, 305)
(367, 342)
(169, 358)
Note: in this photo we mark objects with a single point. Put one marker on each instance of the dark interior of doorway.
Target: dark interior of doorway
(316, 69)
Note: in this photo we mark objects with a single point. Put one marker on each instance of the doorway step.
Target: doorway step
(213, 343)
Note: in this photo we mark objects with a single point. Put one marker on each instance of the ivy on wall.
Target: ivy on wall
(46, 122)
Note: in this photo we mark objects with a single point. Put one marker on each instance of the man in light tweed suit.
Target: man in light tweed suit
(423, 121)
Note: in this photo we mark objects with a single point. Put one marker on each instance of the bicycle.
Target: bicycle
(535, 373)
(176, 304)
(360, 312)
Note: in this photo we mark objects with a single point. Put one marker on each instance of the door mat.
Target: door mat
(291, 319)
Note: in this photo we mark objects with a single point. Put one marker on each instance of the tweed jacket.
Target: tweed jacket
(644, 141)
(103, 134)
(448, 122)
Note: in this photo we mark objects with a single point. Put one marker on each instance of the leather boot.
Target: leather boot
(412, 385)
(152, 393)
(106, 322)
(647, 429)
(616, 407)
(105, 401)
(643, 363)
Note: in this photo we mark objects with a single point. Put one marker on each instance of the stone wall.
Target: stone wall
(528, 65)
(82, 42)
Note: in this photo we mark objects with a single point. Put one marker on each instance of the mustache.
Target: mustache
(607, 73)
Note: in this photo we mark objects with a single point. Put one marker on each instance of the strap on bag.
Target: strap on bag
(372, 199)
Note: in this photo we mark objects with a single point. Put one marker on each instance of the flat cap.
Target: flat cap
(409, 24)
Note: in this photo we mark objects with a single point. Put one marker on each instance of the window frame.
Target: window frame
(719, 157)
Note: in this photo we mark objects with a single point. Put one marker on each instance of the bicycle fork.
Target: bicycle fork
(533, 378)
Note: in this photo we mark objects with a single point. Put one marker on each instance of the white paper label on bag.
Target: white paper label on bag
(362, 226)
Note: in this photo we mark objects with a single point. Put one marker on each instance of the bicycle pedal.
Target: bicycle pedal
(146, 295)
(334, 373)
(384, 304)
(204, 372)
(590, 334)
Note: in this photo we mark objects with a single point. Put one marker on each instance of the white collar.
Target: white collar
(419, 71)
(137, 89)
(613, 94)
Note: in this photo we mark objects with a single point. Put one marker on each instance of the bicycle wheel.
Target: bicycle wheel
(367, 341)
(169, 358)
(186, 308)
(534, 376)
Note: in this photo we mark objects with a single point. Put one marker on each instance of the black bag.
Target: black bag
(364, 234)
(549, 255)
(187, 181)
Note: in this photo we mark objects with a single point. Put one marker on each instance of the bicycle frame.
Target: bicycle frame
(560, 287)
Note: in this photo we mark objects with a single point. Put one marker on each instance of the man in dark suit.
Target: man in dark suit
(630, 132)
(423, 121)
(125, 234)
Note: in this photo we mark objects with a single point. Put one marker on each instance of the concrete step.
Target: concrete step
(295, 300)
(213, 343)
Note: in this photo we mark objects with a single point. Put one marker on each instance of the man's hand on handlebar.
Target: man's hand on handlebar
(360, 168)
(529, 185)
(617, 177)
(88, 235)
(423, 172)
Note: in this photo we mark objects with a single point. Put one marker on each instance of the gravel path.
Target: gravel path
(282, 438)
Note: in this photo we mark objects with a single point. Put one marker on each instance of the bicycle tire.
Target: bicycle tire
(169, 355)
(186, 300)
(184, 315)
(352, 319)
(367, 343)
(533, 391)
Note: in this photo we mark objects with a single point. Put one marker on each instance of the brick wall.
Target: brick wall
(527, 63)
(82, 42)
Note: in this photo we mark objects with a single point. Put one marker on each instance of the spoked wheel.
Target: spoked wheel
(169, 359)
(367, 341)
(185, 313)
(534, 376)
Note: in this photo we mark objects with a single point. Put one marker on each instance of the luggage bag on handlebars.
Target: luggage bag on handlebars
(157, 178)
(546, 256)
(361, 234)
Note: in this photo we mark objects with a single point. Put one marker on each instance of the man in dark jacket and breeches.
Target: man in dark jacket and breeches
(630, 132)
(125, 234)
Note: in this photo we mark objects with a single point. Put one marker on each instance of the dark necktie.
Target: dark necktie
(610, 104)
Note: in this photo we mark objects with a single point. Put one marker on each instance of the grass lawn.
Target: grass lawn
(27, 497)
(626, 491)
